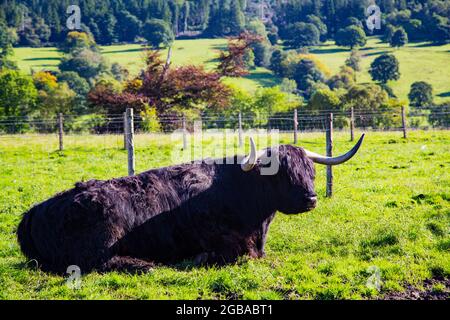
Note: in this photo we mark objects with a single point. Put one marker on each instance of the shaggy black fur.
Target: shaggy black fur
(209, 213)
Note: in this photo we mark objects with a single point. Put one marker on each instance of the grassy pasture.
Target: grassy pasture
(418, 62)
(391, 210)
(197, 52)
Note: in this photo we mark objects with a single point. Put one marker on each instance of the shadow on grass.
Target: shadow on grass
(219, 46)
(444, 94)
(375, 53)
(44, 65)
(124, 51)
(215, 60)
(263, 79)
(367, 48)
(328, 50)
(42, 59)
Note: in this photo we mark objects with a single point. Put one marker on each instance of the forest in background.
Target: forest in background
(280, 38)
(43, 22)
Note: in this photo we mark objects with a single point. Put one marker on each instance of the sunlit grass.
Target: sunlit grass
(390, 210)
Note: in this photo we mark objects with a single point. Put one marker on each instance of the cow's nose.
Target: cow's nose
(312, 202)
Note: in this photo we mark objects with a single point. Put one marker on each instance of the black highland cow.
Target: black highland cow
(209, 213)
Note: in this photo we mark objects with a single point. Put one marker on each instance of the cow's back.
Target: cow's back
(72, 228)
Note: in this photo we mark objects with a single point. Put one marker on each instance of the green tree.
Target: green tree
(385, 68)
(303, 35)
(129, 26)
(80, 86)
(354, 61)
(273, 100)
(107, 27)
(288, 85)
(52, 101)
(118, 72)
(249, 59)
(352, 21)
(17, 94)
(42, 30)
(439, 28)
(351, 36)
(440, 115)
(261, 49)
(324, 100)
(276, 62)
(158, 32)
(371, 98)
(6, 50)
(88, 64)
(236, 18)
(344, 79)
(77, 41)
(322, 27)
(399, 39)
(421, 95)
(388, 33)
(306, 75)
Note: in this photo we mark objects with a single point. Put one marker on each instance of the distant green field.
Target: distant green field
(418, 61)
(391, 211)
(197, 52)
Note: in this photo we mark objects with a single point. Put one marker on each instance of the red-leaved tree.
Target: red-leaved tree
(232, 62)
(174, 90)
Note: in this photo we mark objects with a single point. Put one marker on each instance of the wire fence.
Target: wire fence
(389, 120)
(114, 142)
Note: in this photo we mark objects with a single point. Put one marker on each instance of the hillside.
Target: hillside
(418, 61)
(197, 52)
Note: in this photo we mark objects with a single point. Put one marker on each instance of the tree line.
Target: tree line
(299, 22)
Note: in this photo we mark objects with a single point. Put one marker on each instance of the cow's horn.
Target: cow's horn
(250, 162)
(317, 158)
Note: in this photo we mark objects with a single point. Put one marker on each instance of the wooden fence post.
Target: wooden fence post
(241, 140)
(405, 135)
(185, 143)
(329, 137)
(352, 124)
(125, 121)
(130, 141)
(295, 126)
(61, 131)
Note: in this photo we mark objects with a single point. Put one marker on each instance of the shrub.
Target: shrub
(86, 124)
(150, 122)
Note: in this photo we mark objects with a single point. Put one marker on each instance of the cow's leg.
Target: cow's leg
(257, 241)
(126, 264)
(229, 247)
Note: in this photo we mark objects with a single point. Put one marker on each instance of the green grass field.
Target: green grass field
(391, 210)
(197, 52)
(418, 62)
